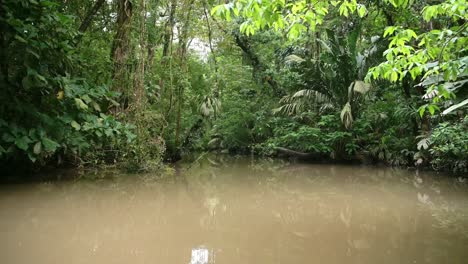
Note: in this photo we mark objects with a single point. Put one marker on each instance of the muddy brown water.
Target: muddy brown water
(239, 210)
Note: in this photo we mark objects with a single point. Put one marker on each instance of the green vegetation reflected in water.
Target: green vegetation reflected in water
(239, 210)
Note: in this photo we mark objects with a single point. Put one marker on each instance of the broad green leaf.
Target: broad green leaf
(32, 157)
(75, 125)
(431, 109)
(217, 10)
(422, 109)
(22, 142)
(96, 106)
(49, 145)
(362, 11)
(389, 31)
(81, 104)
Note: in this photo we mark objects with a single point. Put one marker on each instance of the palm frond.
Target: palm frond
(347, 116)
(312, 95)
(361, 87)
(210, 106)
(293, 59)
(289, 108)
(304, 100)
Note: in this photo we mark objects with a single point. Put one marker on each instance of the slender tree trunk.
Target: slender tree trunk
(167, 46)
(216, 91)
(121, 48)
(169, 28)
(182, 54)
(152, 43)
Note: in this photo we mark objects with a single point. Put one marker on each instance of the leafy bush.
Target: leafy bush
(323, 138)
(73, 125)
(385, 130)
(233, 129)
(46, 110)
(448, 146)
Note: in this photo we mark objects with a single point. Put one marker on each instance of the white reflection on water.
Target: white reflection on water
(199, 256)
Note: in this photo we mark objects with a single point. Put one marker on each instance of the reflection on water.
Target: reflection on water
(239, 210)
(201, 256)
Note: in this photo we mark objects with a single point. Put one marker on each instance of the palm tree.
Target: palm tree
(332, 79)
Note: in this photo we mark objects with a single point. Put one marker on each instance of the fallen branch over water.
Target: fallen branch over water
(294, 153)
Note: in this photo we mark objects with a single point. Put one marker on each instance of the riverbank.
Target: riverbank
(72, 173)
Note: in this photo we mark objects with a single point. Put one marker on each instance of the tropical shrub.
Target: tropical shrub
(448, 146)
(47, 112)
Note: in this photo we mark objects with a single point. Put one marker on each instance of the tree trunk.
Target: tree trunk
(90, 15)
(167, 46)
(216, 91)
(169, 27)
(182, 54)
(120, 50)
(139, 97)
(259, 69)
(151, 42)
(296, 154)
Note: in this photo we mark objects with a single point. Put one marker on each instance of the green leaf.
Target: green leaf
(22, 142)
(75, 125)
(81, 104)
(393, 76)
(50, 145)
(32, 157)
(422, 109)
(7, 137)
(114, 103)
(362, 11)
(108, 132)
(217, 10)
(86, 99)
(412, 34)
(96, 106)
(389, 31)
(17, 37)
(33, 53)
(431, 109)
(2, 150)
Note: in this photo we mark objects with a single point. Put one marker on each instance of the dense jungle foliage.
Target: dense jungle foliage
(137, 82)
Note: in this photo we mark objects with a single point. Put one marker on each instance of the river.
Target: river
(222, 209)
